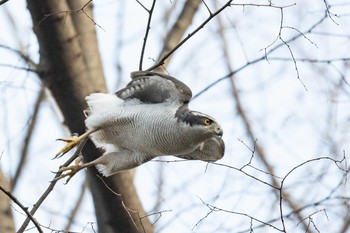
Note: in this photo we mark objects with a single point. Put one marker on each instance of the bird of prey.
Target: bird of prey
(148, 118)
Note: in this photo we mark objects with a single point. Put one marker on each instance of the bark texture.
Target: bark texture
(7, 224)
(71, 69)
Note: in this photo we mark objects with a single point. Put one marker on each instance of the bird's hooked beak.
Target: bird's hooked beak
(218, 130)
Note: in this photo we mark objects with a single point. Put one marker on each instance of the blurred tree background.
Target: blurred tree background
(275, 74)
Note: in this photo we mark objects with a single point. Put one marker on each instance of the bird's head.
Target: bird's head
(200, 123)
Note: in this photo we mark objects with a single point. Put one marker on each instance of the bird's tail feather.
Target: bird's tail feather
(98, 102)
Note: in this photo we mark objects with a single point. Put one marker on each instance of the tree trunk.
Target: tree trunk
(70, 68)
(7, 224)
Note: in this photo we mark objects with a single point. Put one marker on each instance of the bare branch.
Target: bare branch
(206, 6)
(50, 187)
(277, 187)
(159, 213)
(143, 6)
(310, 60)
(213, 208)
(19, 68)
(295, 63)
(25, 209)
(305, 37)
(168, 54)
(329, 13)
(252, 150)
(148, 27)
(249, 129)
(27, 139)
(33, 67)
(77, 206)
(179, 28)
(160, 180)
(261, 58)
(283, 196)
(128, 210)
(340, 163)
(66, 12)
(279, 37)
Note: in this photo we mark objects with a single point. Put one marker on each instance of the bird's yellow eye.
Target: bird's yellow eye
(207, 121)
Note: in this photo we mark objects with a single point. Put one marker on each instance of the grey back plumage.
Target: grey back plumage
(152, 87)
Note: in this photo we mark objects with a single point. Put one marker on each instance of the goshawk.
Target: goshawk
(146, 119)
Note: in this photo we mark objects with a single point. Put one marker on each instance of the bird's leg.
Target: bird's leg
(73, 169)
(111, 163)
(72, 142)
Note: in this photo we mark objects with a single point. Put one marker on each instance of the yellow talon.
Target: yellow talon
(71, 143)
(73, 169)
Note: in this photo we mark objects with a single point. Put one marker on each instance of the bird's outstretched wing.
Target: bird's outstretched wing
(210, 150)
(152, 87)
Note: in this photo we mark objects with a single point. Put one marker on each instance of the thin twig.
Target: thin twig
(344, 168)
(276, 187)
(178, 29)
(50, 187)
(310, 60)
(19, 68)
(168, 54)
(249, 129)
(213, 208)
(27, 139)
(284, 197)
(261, 58)
(329, 13)
(66, 12)
(148, 27)
(159, 213)
(211, 16)
(77, 206)
(25, 209)
(25, 57)
(127, 209)
(143, 6)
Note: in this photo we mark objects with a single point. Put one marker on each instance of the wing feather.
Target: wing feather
(152, 87)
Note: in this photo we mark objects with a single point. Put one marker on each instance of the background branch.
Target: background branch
(168, 54)
(50, 188)
(148, 27)
(27, 139)
(261, 58)
(259, 150)
(25, 209)
(272, 126)
(77, 206)
(175, 34)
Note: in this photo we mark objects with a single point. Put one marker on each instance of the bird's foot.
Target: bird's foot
(70, 172)
(72, 142)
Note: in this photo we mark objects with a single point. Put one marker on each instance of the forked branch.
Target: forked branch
(168, 54)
